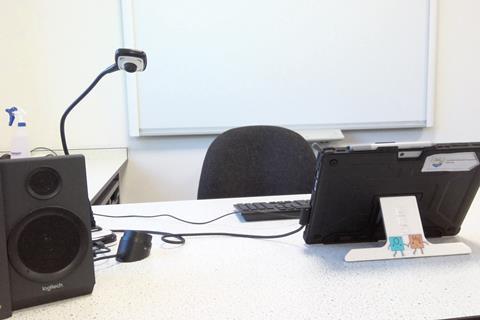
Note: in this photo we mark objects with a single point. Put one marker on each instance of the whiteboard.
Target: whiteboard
(303, 64)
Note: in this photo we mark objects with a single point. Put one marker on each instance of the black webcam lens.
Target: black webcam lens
(130, 67)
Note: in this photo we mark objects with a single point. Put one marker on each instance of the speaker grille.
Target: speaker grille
(44, 183)
(48, 244)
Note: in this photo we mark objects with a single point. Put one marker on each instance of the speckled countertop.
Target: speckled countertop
(231, 278)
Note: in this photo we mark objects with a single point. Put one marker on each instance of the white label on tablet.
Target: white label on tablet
(461, 161)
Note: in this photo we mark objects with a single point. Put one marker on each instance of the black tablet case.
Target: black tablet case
(348, 184)
(5, 299)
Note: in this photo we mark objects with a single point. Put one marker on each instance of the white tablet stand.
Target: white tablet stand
(404, 234)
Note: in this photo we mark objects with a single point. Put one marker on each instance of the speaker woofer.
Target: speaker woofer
(48, 244)
(44, 183)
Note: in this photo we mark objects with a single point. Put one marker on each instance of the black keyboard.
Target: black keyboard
(277, 210)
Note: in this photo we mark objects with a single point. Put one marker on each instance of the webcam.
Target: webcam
(130, 60)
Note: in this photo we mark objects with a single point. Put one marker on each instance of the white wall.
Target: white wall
(55, 48)
(50, 51)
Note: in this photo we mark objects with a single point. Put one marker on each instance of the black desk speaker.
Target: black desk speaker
(45, 239)
(5, 300)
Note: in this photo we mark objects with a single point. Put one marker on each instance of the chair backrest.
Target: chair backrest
(257, 161)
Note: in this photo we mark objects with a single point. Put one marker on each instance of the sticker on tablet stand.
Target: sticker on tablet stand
(460, 161)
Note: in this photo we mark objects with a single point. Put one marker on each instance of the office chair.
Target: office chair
(257, 161)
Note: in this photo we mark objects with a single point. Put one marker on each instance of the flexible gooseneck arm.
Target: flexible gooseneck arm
(110, 69)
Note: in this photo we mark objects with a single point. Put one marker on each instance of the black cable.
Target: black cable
(180, 237)
(110, 69)
(165, 215)
(101, 251)
(96, 228)
(105, 257)
(98, 247)
(44, 149)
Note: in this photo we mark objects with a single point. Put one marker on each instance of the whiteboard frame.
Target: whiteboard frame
(133, 105)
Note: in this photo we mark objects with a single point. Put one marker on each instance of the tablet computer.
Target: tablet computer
(349, 182)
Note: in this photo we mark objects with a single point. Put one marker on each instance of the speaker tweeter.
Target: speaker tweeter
(44, 183)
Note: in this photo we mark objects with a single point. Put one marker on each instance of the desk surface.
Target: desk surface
(234, 278)
(102, 165)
